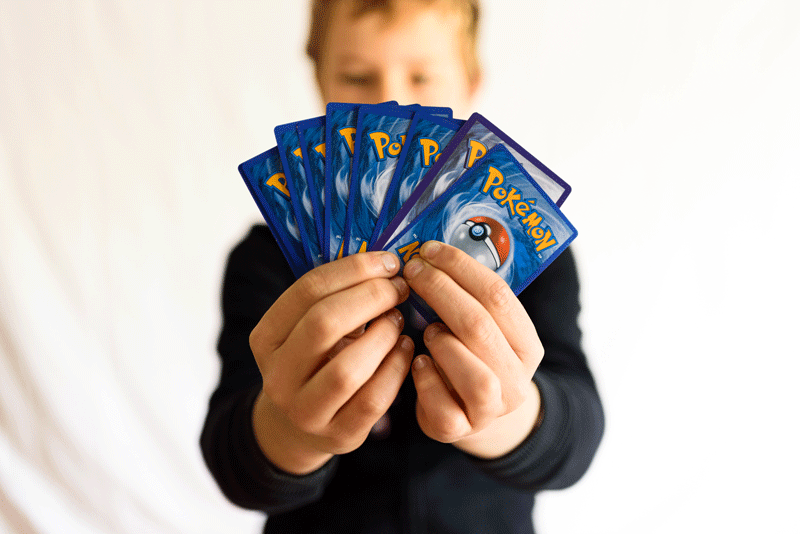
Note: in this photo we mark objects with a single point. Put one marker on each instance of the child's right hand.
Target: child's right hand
(323, 389)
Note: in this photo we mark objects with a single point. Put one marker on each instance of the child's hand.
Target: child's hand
(479, 394)
(323, 389)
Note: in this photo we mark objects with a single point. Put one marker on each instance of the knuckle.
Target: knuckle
(499, 295)
(486, 391)
(449, 429)
(323, 322)
(459, 259)
(313, 285)
(343, 438)
(302, 419)
(380, 293)
(377, 290)
(435, 281)
(481, 327)
(366, 264)
(374, 405)
(341, 378)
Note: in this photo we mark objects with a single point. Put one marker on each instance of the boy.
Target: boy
(316, 420)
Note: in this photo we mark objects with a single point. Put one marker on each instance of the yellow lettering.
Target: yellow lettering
(408, 251)
(363, 247)
(532, 220)
(349, 135)
(429, 148)
(523, 208)
(476, 151)
(498, 193)
(278, 181)
(380, 140)
(320, 149)
(495, 178)
(394, 149)
(297, 152)
(545, 242)
(509, 199)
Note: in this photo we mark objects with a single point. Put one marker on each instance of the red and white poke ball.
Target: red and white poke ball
(484, 239)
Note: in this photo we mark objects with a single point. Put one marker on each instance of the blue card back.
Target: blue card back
(380, 136)
(470, 144)
(299, 188)
(496, 213)
(311, 134)
(427, 137)
(266, 181)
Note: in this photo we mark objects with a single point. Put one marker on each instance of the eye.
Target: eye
(356, 79)
(420, 79)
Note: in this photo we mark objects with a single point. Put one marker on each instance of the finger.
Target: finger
(493, 293)
(331, 319)
(364, 409)
(278, 322)
(340, 378)
(439, 415)
(459, 310)
(477, 386)
(355, 334)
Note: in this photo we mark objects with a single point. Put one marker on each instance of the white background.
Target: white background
(121, 126)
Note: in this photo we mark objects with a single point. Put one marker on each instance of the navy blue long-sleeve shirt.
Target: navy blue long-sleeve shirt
(400, 480)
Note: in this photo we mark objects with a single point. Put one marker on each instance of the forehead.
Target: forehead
(413, 32)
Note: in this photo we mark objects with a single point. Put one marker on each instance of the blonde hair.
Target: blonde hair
(469, 10)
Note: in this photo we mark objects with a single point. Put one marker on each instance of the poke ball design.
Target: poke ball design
(484, 239)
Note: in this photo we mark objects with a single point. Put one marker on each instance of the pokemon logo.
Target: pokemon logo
(475, 152)
(320, 149)
(409, 251)
(430, 151)
(524, 210)
(383, 145)
(349, 135)
(278, 181)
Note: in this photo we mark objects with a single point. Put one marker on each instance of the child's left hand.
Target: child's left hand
(479, 394)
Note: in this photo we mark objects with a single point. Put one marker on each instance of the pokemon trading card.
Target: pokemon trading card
(311, 134)
(436, 111)
(496, 213)
(380, 135)
(300, 188)
(266, 181)
(340, 139)
(427, 137)
(472, 142)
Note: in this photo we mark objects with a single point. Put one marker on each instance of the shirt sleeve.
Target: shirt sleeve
(557, 453)
(256, 275)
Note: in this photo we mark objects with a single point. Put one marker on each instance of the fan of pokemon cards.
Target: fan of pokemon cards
(390, 177)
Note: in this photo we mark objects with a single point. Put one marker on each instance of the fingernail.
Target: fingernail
(389, 261)
(412, 268)
(420, 362)
(400, 284)
(430, 249)
(406, 343)
(432, 331)
(396, 317)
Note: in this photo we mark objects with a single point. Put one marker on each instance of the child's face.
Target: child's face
(414, 57)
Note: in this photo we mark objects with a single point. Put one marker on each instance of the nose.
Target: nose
(392, 86)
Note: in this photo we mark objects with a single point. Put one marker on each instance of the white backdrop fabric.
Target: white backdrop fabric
(121, 126)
